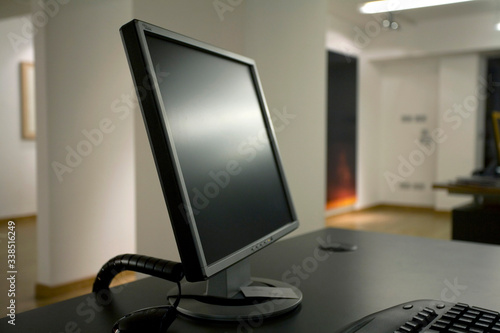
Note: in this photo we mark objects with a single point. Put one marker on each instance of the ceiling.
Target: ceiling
(343, 9)
(347, 10)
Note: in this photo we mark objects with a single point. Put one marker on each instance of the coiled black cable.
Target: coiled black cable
(164, 269)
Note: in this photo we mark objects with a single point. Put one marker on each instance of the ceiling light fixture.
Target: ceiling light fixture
(384, 6)
(390, 23)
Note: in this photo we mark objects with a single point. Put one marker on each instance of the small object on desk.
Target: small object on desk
(339, 247)
(428, 316)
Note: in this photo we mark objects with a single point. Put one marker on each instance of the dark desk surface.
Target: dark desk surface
(338, 287)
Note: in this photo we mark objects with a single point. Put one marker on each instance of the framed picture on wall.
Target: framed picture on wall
(495, 116)
(28, 100)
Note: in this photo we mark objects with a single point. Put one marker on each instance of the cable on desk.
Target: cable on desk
(164, 269)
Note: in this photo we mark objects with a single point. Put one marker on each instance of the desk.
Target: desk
(483, 195)
(480, 220)
(338, 287)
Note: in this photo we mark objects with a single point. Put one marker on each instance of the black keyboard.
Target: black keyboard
(428, 316)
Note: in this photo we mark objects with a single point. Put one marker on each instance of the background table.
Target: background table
(478, 221)
(482, 194)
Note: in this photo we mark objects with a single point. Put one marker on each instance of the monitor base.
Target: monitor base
(197, 304)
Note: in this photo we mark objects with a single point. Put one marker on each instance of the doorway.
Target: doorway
(341, 129)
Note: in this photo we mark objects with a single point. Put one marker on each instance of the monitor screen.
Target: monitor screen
(223, 150)
(214, 148)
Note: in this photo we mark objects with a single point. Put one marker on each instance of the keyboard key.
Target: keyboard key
(414, 325)
(480, 324)
(458, 308)
(489, 316)
(438, 326)
(426, 315)
(485, 310)
(430, 311)
(460, 326)
(473, 312)
(485, 321)
(420, 319)
(449, 316)
(443, 321)
(476, 330)
(454, 312)
(405, 328)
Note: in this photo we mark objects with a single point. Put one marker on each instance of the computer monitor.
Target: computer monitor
(219, 167)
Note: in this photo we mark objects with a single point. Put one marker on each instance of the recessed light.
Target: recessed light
(384, 6)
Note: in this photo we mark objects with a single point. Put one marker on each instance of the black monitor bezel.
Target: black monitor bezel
(175, 193)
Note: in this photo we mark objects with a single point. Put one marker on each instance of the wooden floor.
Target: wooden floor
(26, 266)
(420, 222)
(408, 221)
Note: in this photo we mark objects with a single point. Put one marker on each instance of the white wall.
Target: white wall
(287, 40)
(409, 104)
(461, 110)
(86, 207)
(17, 155)
(338, 37)
(10, 9)
(368, 139)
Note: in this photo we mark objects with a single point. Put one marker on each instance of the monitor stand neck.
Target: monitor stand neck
(221, 298)
(228, 283)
